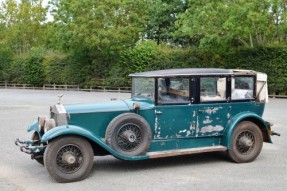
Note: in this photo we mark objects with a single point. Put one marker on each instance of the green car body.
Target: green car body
(186, 123)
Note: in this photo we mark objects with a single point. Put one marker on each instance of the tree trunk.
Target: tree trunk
(244, 42)
(251, 41)
(158, 35)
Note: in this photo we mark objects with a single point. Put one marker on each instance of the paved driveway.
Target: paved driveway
(211, 171)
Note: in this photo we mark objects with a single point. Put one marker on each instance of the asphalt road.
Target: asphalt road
(211, 171)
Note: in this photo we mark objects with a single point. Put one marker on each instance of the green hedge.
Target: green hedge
(6, 57)
(44, 66)
(270, 60)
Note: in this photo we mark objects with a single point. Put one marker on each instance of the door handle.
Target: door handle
(158, 112)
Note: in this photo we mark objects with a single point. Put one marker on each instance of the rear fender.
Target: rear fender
(245, 116)
(79, 131)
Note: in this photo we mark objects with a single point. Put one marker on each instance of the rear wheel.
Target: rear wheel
(69, 159)
(247, 141)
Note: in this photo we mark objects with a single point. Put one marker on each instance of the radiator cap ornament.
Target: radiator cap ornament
(59, 98)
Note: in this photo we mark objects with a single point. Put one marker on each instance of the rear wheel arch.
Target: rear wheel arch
(263, 127)
(226, 141)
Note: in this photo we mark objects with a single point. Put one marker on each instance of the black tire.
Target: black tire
(62, 151)
(247, 141)
(129, 134)
(39, 158)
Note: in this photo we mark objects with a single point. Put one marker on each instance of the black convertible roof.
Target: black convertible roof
(188, 72)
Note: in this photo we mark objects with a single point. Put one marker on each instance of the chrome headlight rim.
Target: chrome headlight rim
(49, 124)
(41, 123)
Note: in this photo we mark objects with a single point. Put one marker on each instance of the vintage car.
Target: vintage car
(170, 112)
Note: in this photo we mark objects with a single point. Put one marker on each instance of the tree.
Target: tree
(21, 23)
(137, 59)
(6, 56)
(98, 30)
(162, 17)
(234, 23)
(278, 12)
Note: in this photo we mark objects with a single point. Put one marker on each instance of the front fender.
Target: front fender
(237, 119)
(33, 126)
(76, 130)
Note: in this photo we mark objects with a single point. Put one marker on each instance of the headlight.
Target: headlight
(41, 123)
(49, 124)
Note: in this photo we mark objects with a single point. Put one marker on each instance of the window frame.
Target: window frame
(191, 92)
(194, 89)
(227, 87)
(254, 89)
(133, 89)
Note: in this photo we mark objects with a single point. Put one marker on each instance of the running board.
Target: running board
(178, 152)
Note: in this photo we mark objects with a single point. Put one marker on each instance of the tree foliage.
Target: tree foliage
(90, 41)
(6, 57)
(162, 16)
(99, 28)
(235, 23)
(33, 69)
(21, 24)
(137, 59)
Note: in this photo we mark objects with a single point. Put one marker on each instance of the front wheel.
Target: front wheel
(247, 141)
(69, 159)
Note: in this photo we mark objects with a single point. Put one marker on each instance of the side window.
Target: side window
(212, 89)
(242, 87)
(173, 90)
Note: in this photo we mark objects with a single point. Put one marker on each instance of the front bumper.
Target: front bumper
(274, 133)
(270, 124)
(33, 148)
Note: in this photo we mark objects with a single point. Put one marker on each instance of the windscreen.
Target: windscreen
(143, 87)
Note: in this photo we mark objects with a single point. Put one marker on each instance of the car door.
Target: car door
(212, 110)
(212, 119)
(174, 121)
(174, 113)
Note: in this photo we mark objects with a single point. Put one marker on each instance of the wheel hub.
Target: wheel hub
(130, 136)
(245, 141)
(69, 158)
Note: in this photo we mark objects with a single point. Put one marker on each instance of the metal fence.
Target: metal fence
(65, 87)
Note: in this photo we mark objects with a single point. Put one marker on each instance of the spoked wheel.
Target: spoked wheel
(247, 141)
(69, 159)
(129, 134)
(129, 137)
(39, 157)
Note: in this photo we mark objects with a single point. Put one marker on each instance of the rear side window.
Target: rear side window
(212, 89)
(242, 88)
